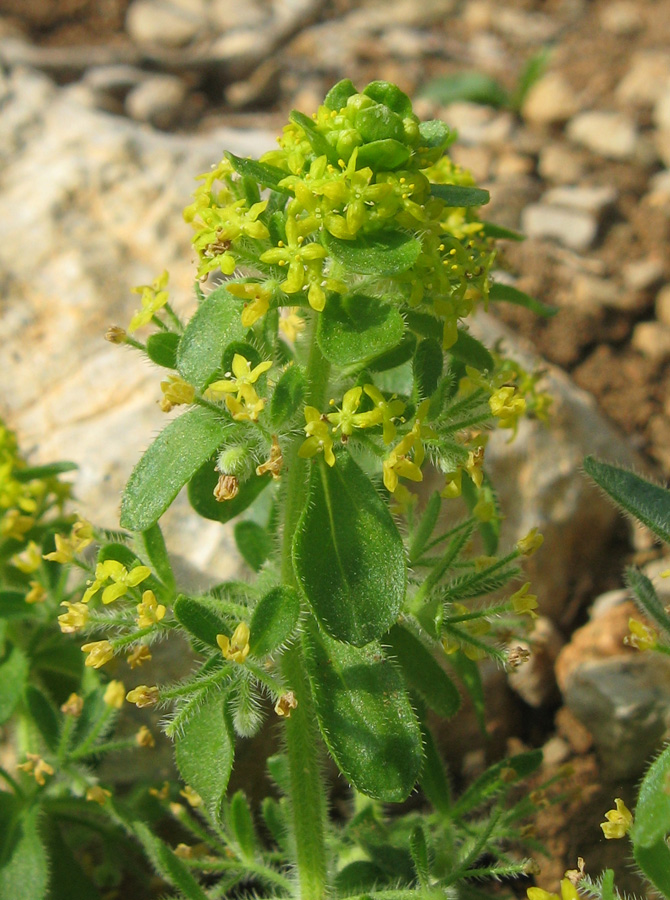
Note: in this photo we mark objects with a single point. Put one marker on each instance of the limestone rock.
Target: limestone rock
(621, 17)
(609, 134)
(550, 100)
(560, 163)
(534, 681)
(166, 23)
(478, 124)
(652, 339)
(589, 198)
(157, 100)
(574, 228)
(663, 305)
(647, 79)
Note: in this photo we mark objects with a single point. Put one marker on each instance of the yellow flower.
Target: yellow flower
(36, 594)
(347, 418)
(14, 525)
(641, 636)
(237, 647)
(73, 706)
(115, 694)
(192, 798)
(145, 738)
(176, 392)
(143, 695)
(64, 551)
(507, 406)
(318, 437)
(29, 560)
(568, 892)
(150, 612)
(257, 300)
(474, 464)
(618, 822)
(246, 405)
(474, 627)
(138, 656)
(523, 602)
(398, 464)
(97, 794)
(99, 653)
(82, 535)
(122, 578)
(530, 543)
(453, 485)
(154, 297)
(36, 767)
(74, 619)
(388, 410)
(291, 324)
(286, 704)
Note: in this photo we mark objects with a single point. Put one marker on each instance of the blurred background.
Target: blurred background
(110, 108)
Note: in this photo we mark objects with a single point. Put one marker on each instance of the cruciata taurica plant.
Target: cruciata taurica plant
(328, 363)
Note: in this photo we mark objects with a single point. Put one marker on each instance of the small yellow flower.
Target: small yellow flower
(36, 594)
(122, 578)
(618, 822)
(74, 619)
(347, 418)
(388, 410)
(14, 525)
(192, 798)
(257, 300)
(97, 794)
(176, 392)
(81, 535)
(274, 463)
(143, 695)
(29, 560)
(99, 653)
(116, 335)
(318, 437)
(154, 297)
(161, 794)
(474, 465)
(286, 703)
(291, 324)
(36, 767)
(642, 637)
(523, 602)
(73, 706)
(145, 738)
(138, 656)
(568, 892)
(246, 405)
(150, 612)
(507, 407)
(237, 647)
(115, 694)
(453, 485)
(64, 551)
(530, 543)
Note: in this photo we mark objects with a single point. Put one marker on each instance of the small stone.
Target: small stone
(662, 145)
(513, 165)
(591, 294)
(646, 80)
(158, 100)
(525, 27)
(643, 274)
(166, 23)
(622, 17)
(589, 198)
(609, 134)
(573, 228)
(652, 339)
(550, 100)
(113, 80)
(477, 160)
(560, 163)
(227, 16)
(407, 43)
(555, 752)
(261, 89)
(477, 124)
(534, 681)
(659, 189)
(663, 305)
(662, 109)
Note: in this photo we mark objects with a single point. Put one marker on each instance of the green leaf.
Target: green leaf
(383, 254)
(433, 778)
(265, 175)
(241, 826)
(509, 294)
(172, 459)
(44, 716)
(423, 673)
(253, 542)
(475, 87)
(469, 350)
(608, 885)
(425, 325)
(435, 138)
(13, 605)
(318, 142)
(274, 620)
(67, 879)
(204, 752)
(162, 349)
(377, 122)
(154, 544)
(421, 534)
(365, 716)
(533, 69)
(389, 94)
(200, 618)
(356, 328)
(202, 499)
(383, 155)
(287, 397)
(644, 500)
(216, 323)
(647, 598)
(469, 673)
(652, 823)
(49, 470)
(168, 865)
(276, 822)
(337, 96)
(396, 356)
(427, 366)
(348, 555)
(13, 678)
(460, 195)
(357, 876)
(26, 873)
(499, 233)
(488, 784)
(419, 850)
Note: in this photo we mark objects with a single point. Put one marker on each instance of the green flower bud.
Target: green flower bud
(235, 460)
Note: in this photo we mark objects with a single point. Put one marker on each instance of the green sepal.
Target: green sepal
(261, 173)
(472, 352)
(241, 826)
(491, 782)
(154, 544)
(398, 355)
(25, 874)
(348, 555)
(215, 324)
(202, 499)
(355, 328)
(427, 366)
(49, 470)
(646, 597)
(13, 605)
(276, 822)
(162, 349)
(205, 750)
(173, 458)
(253, 542)
(423, 673)
(337, 96)
(510, 294)
(168, 865)
(365, 716)
(44, 715)
(433, 778)
(435, 138)
(383, 254)
(287, 397)
(200, 618)
(498, 233)
(383, 155)
(319, 144)
(460, 195)
(13, 678)
(642, 499)
(389, 94)
(274, 620)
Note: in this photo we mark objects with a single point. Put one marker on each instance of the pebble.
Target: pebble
(589, 198)
(652, 339)
(573, 228)
(167, 23)
(659, 189)
(260, 89)
(525, 27)
(477, 160)
(643, 274)
(115, 81)
(227, 16)
(555, 752)
(158, 100)
(477, 124)
(609, 134)
(662, 305)
(648, 77)
(534, 681)
(513, 165)
(662, 145)
(590, 293)
(559, 163)
(662, 109)
(622, 17)
(550, 100)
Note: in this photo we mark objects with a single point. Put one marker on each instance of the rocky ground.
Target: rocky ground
(108, 107)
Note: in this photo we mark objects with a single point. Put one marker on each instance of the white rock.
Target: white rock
(652, 339)
(589, 198)
(662, 305)
(525, 27)
(560, 163)
(534, 681)
(574, 228)
(226, 16)
(648, 77)
(642, 274)
(621, 17)
(609, 134)
(662, 144)
(166, 23)
(589, 293)
(114, 80)
(662, 109)
(157, 100)
(477, 124)
(550, 100)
